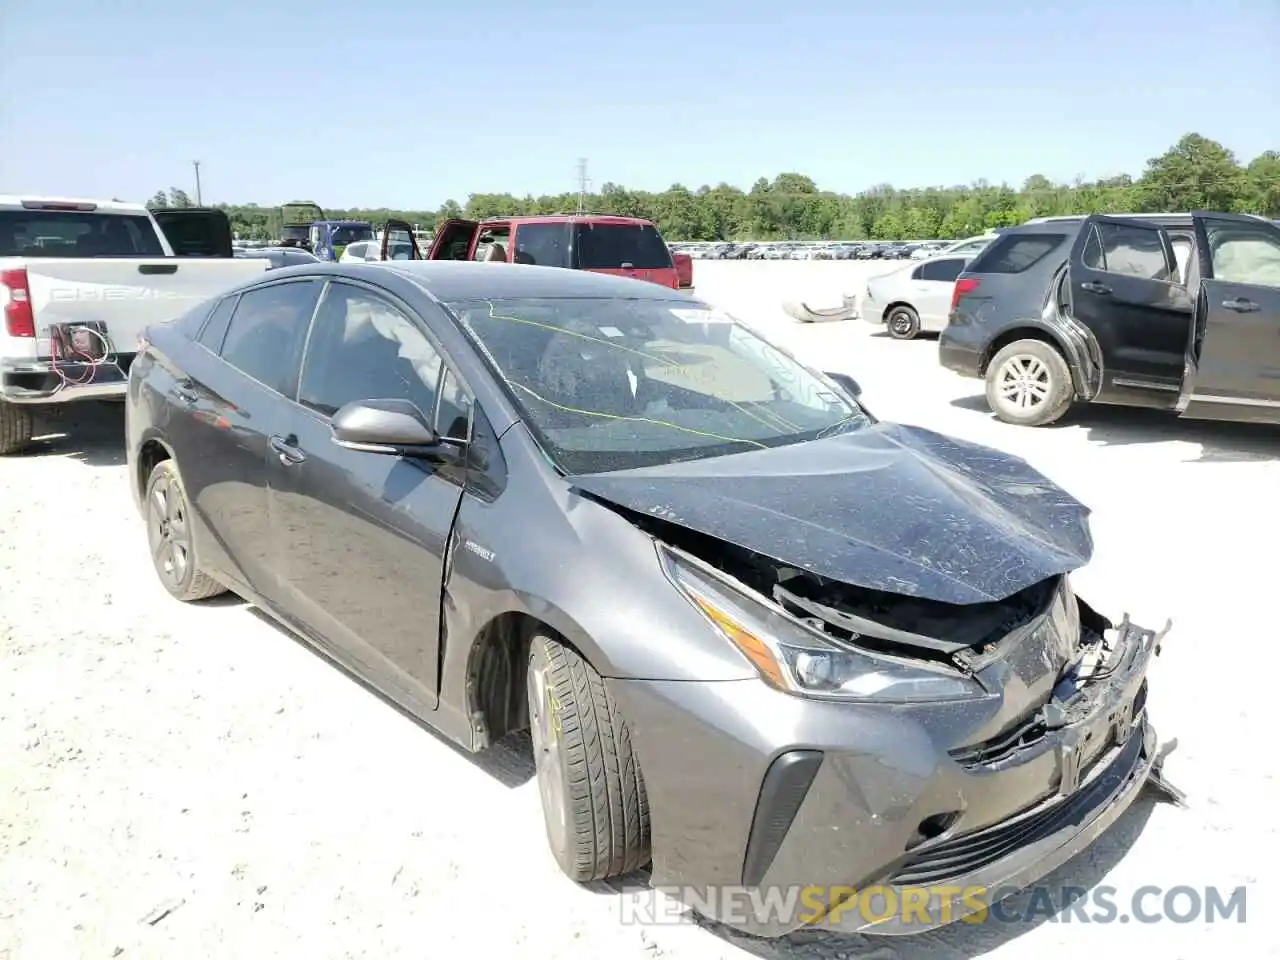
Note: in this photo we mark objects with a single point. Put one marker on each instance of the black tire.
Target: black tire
(17, 427)
(1036, 371)
(902, 322)
(169, 535)
(593, 796)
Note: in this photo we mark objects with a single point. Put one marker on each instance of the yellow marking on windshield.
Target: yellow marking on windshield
(665, 361)
(615, 416)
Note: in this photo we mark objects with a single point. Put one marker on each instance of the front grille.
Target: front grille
(962, 855)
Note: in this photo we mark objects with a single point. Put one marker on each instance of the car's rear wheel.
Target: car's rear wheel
(903, 323)
(1029, 384)
(593, 797)
(17, 427)
(169, 534)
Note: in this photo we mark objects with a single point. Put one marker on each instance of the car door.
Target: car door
(232, 399)
(1124, 289)
(1233, 360)
(360, 537)
(453, 240)
(932, 283)
(400, 234)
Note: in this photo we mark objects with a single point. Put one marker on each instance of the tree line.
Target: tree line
(1196, 173)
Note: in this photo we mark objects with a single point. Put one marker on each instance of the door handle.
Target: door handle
(1240, 305)
(286, 449)
(1101, 289)
(184, 393)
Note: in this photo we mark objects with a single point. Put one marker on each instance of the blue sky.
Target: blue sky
(406, 104)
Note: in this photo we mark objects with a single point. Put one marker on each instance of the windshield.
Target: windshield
(342, 236)
(617, 384)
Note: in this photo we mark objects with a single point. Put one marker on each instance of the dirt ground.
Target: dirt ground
(188, 781)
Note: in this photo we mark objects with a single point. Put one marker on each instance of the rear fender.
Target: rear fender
(1074, 341)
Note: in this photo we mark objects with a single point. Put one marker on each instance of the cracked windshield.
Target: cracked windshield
(616, 384)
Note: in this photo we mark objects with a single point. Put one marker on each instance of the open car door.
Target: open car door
(453, 240)
(398, 242)
(1232, 367)
(196, 231)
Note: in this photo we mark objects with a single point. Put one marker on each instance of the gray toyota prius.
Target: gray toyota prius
(762, 640)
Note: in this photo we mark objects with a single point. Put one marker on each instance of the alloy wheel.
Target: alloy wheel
(1024, 382)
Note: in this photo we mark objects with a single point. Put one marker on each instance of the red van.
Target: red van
(625, 246)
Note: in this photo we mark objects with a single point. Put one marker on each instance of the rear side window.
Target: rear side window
(58, 233)
(1128, 250)
(945, 271)
(195, 234)
(189, 323)
(542, 244)
(1016, 252)
(216, 328)
(614, 246)
(268, 327)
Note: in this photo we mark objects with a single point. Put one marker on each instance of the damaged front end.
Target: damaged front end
(1037, 673)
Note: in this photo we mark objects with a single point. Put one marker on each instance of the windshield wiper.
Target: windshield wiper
(836, 427)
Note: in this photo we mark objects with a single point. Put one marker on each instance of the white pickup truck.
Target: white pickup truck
(80, 280)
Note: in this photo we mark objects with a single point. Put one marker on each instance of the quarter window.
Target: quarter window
(215, 328)
(264, 339)
(1015, 253)
(542, 244)
(944, 271)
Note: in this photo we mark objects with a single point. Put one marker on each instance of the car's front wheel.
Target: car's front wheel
(173, 549)
(593, 797)
(1029, 384)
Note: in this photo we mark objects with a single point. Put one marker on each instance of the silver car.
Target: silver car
(913, 299)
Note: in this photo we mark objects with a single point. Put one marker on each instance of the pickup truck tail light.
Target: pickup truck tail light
(964, 285)
(15, 297)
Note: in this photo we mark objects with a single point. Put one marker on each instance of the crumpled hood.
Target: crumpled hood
(888, 507)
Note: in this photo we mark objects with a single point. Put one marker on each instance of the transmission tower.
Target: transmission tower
(584, 185)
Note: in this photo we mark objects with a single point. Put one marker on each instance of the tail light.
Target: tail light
(15, 297)
(964, 286)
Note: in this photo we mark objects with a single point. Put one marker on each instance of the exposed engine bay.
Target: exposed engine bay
(878, 620)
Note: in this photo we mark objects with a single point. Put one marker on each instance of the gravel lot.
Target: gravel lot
(196, 760)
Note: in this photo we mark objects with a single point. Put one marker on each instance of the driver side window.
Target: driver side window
(1243, 252)
(362, 347)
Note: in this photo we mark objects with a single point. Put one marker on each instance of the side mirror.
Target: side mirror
(395, 427)
(847, 382)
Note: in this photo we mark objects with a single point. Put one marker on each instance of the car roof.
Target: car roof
(570, 218)
(14, 202)
(450, 280)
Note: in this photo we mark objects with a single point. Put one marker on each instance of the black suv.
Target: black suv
(1171, 311)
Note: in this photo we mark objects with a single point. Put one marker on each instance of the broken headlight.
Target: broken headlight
(798, 659)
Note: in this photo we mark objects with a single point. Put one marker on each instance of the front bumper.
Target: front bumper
(38, 382)
(800, 803)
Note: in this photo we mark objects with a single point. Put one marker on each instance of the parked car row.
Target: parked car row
(807, 250)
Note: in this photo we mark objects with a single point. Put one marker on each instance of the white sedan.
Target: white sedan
(913, 299)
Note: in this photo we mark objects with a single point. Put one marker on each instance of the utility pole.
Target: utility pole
(583, 185)
(196, 164)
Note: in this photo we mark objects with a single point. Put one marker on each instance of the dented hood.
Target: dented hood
(888, 507)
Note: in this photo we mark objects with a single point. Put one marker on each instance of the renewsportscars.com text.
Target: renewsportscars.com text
(928, 906)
